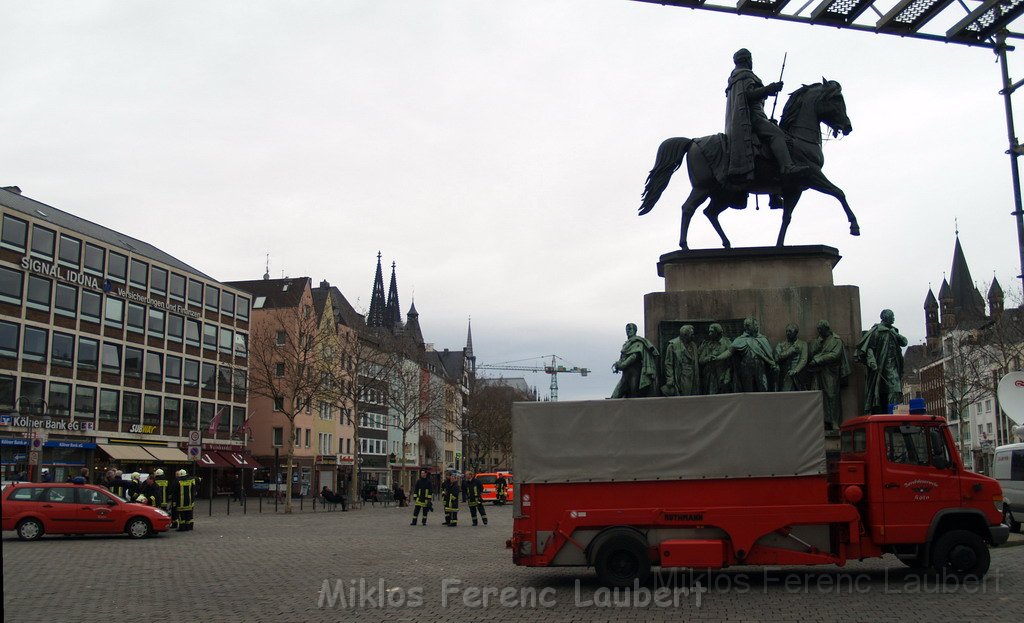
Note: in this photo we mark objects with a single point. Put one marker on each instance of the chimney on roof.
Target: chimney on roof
(325, 284)
(12, 189)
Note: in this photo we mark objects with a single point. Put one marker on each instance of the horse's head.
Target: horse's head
(831, 108)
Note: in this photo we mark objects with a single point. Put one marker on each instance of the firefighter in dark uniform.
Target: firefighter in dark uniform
(149, 489)
(472, 490)
(117, 484)
(162, 500)
(422, 497)
(450, 497)
(500, 490)
(183, 495)
(133, 489)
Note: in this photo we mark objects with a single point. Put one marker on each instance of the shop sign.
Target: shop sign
(13, 442)
(70, 444)
(328, 459)
(145, 300)
(142, 428)
(59, 272)
(23, 421)
(346, 459)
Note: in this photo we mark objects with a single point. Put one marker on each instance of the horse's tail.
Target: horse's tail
(670, 157)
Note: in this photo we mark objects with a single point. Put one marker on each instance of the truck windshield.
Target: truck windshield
(915, 445)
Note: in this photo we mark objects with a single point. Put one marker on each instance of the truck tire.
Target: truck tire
(961, 554)
(1009, 520)
(621, 559)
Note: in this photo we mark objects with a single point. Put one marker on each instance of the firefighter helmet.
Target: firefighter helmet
(136, 475)
(181, 473)
(158, 472)
(141, 499)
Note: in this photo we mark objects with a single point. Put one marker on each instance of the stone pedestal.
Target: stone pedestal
(774, 285)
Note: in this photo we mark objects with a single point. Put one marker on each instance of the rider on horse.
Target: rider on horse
(744, 118)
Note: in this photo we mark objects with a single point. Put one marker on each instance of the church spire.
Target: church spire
(469, 346)
(376, 316)
(392, 312)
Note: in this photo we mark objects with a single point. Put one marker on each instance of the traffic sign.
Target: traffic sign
(194, 437)
(33, 457)
(194, 452)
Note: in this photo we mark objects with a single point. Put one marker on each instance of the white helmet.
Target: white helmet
(158, 472)
(136, 475)
(181, 473)
(141, 499)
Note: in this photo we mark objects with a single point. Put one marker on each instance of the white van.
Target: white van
(1008, 469)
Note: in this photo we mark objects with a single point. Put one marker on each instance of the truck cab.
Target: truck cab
(914, 492)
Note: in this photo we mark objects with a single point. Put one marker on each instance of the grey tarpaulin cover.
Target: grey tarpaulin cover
(679, 438)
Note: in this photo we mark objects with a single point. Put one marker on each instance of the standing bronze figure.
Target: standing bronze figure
(682, 372)
(791, 355)
(829, 368)
(753, 360)
(714, 360)
(718, 167)
(881, 350)
(638, 362)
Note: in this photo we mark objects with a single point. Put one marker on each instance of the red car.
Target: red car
(33, 509)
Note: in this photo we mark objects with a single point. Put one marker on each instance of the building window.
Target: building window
(15, 233)
(136, 318)
(279, 369)
(225, 341)
(156, 323)
(191, 373)
(241, 345)
(9, 334)
(282, 338)
(195, 292)
(206, 411)
(158, 280)
(212, 298)
(173, 370)
(278, 436)
(42, 242)
(151, 410)
(131, 405)
(139, 274)
(278, 404)
(224, 379)
(242, 308)
(34, 347)
(192, 331)
(94, 259)
(85, 402)
(154, 367)
(62, 351)
(111, 358)
(59, 401)
(117, 267)
(189, 415)
(171, 422)
(38, 294)
(175, 327)
(209, 336)
(91, 305)
(65, 300)
(10, 285)
(114, 314)
(240, 383)
(177, 287)
(209, 376)
(88, 353)
(109, 400)
(227, 303)
(70, 251)
(132, 362)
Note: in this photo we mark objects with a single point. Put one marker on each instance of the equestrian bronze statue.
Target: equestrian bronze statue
(714, 177)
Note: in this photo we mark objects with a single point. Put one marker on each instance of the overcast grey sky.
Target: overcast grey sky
(495, 150)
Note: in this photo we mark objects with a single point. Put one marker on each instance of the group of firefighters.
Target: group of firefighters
(470, 490)
(177, 497)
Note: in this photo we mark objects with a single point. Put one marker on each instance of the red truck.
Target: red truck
(741, 479)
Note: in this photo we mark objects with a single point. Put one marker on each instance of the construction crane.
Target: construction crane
(554, 369)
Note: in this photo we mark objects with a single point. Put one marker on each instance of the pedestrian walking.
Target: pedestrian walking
(450, 496)
(422, 497)
(472, 493)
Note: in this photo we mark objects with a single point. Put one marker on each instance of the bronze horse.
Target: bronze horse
(807, 108)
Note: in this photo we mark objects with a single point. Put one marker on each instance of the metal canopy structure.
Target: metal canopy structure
(967, 22)
(979, 23)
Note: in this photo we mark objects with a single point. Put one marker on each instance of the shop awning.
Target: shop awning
(213, 459)
(126, 452)
(239, 460)
(170, 455)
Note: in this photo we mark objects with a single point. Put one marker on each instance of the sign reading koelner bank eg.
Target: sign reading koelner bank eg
(79, 278)
(23, 421)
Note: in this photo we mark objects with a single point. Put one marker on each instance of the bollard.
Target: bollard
(301, 500)
(314, 505)
(275, 501)
(245, 505)
(261, 503)
(229, 504)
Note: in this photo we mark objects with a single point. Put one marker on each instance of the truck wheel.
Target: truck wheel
(962, 554)
(621, 559)
(1009, 520)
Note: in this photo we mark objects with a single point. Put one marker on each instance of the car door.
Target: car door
(99, 511)
(918, 480)
(60, 510)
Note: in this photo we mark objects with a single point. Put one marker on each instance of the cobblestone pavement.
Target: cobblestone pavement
(275, 567)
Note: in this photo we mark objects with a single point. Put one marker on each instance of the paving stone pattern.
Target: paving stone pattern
(274, 567)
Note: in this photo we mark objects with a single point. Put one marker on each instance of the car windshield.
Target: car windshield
(487, 480)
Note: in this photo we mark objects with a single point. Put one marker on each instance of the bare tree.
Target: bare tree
(487, 430)
(415, 400)
(292, 362)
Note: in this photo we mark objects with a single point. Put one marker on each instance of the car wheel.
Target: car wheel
(961, 554)
(621, 560)
(30, 529)
(138, 528)
(1009, 520)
